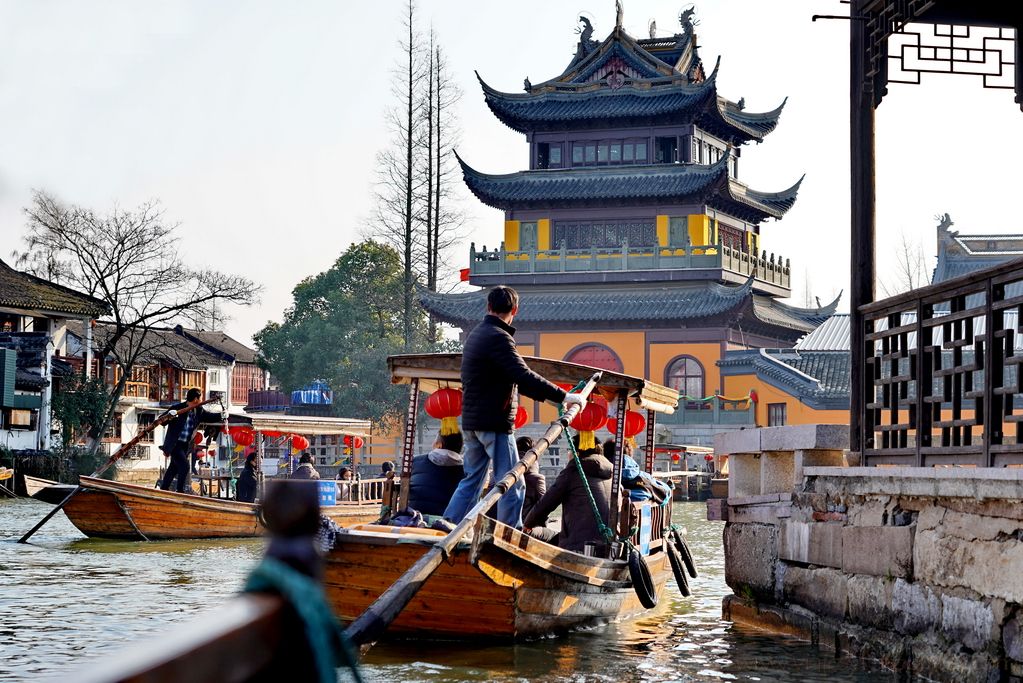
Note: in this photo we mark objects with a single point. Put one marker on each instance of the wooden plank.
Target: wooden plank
(98, 515)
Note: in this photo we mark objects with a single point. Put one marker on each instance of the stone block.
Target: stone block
(805, 438)
(735, 442)
(931, 517)
(717, 510)
(869, 512)
(966, 621)
(870, 600)
(1012, 638)
(977, 527)
(751, 553)
(811, 543)
(822, 591)
(743, 475)
(878, 550)
(777, 472)
(990, 568)
(916, 608)
(762, 513)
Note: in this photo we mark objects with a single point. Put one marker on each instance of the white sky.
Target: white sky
(257, 123)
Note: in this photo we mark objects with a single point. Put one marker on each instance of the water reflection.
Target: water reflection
(67, 599)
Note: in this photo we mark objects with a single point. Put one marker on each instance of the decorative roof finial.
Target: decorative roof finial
(741, 104)
(527, 85)
(619, 11)
(653, 29)
(686, 19)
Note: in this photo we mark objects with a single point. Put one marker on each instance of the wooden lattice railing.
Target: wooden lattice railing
(941, 382)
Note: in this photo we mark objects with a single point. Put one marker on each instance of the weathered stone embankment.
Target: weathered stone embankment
(919, 568)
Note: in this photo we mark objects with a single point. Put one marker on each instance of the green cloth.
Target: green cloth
(330, 647)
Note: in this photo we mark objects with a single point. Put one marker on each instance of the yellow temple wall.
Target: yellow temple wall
(661, 355)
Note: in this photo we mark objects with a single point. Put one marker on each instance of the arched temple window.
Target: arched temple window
(596, 356)
(685, 374)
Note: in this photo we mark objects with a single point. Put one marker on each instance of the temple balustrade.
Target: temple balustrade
(766, 268)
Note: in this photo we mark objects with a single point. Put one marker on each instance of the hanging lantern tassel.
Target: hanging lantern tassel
(587, 441)
(239, 448)
(449, 425)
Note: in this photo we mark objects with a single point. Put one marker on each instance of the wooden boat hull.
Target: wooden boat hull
(518, 587)
(46, 490)
(108, 509)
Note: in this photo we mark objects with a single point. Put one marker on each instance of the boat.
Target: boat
(111, 509)
(504, 584)
(46, 490)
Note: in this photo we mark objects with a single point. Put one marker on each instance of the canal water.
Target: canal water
(65, 599)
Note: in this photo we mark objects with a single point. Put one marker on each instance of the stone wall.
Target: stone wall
(920, 568)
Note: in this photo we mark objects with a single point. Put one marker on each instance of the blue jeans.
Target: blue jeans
(482, 448)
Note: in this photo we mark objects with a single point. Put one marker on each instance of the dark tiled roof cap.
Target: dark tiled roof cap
(224, 343)
(22, 290)
(660, 183)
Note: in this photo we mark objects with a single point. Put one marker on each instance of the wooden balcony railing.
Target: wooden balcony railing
(941, 379)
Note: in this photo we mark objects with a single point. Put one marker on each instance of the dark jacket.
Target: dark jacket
(578, 525)
(431, 485)
(245, 489)
(177, 424)
(305, 471)
(493, 374)
(536, 486)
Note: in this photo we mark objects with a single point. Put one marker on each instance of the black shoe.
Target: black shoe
(443, 525)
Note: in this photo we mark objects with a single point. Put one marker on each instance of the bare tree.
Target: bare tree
(130, 260)
(399, 177)
(910, 269)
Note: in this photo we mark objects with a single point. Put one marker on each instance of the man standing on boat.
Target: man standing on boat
(493, 375)
(177, 443)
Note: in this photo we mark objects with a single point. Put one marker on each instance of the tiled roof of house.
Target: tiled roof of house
(159, 345)
(819, 379)
(675, 183)
(223, 343)
(28, 292)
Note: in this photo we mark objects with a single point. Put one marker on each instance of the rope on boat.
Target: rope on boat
(329, 644)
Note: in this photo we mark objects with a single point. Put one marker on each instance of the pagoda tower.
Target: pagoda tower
(630, 238)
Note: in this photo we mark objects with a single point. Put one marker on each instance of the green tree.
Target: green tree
(341, 327)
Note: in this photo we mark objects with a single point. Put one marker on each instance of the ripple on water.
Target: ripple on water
(68, 599)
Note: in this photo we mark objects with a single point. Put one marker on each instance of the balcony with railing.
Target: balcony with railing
(625, 262)
(716, 412)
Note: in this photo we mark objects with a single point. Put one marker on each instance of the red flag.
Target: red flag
(463, 275)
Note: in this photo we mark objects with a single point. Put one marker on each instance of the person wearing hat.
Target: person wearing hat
(305, 469)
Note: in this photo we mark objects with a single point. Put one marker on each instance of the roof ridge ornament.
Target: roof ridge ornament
(619, 15)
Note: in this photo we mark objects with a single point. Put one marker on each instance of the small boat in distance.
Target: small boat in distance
(111, 509)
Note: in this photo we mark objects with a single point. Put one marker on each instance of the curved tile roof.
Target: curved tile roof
(672, 183)
(22, 290)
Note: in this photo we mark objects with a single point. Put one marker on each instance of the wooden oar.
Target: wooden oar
(162, 420)
(371, 623)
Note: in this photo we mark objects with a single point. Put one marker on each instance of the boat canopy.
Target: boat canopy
(303, 424)
(438, 370)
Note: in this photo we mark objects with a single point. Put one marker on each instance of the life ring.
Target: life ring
(680, 573)
(683, 551)
(642, 582)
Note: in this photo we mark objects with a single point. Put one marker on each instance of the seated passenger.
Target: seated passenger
(248, 480)
(435, 475)
(578, 525)
(305, 469)
(640, 485)
(344, 483)
(536, 483)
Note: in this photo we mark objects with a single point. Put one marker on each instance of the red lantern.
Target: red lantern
(589, 420)
(708, 457)
(445, 405)
(299, 442)
(635, 423)
(198, 438)
(753, 396)
(353, 441)
(359, 442)
(675, 457)
(244, 437)
(521, 418)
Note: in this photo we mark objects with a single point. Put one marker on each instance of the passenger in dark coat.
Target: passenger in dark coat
(305, 469)
(435, 475)
(578, 525)
(248, 480)
(536, 483)
(177, 440)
